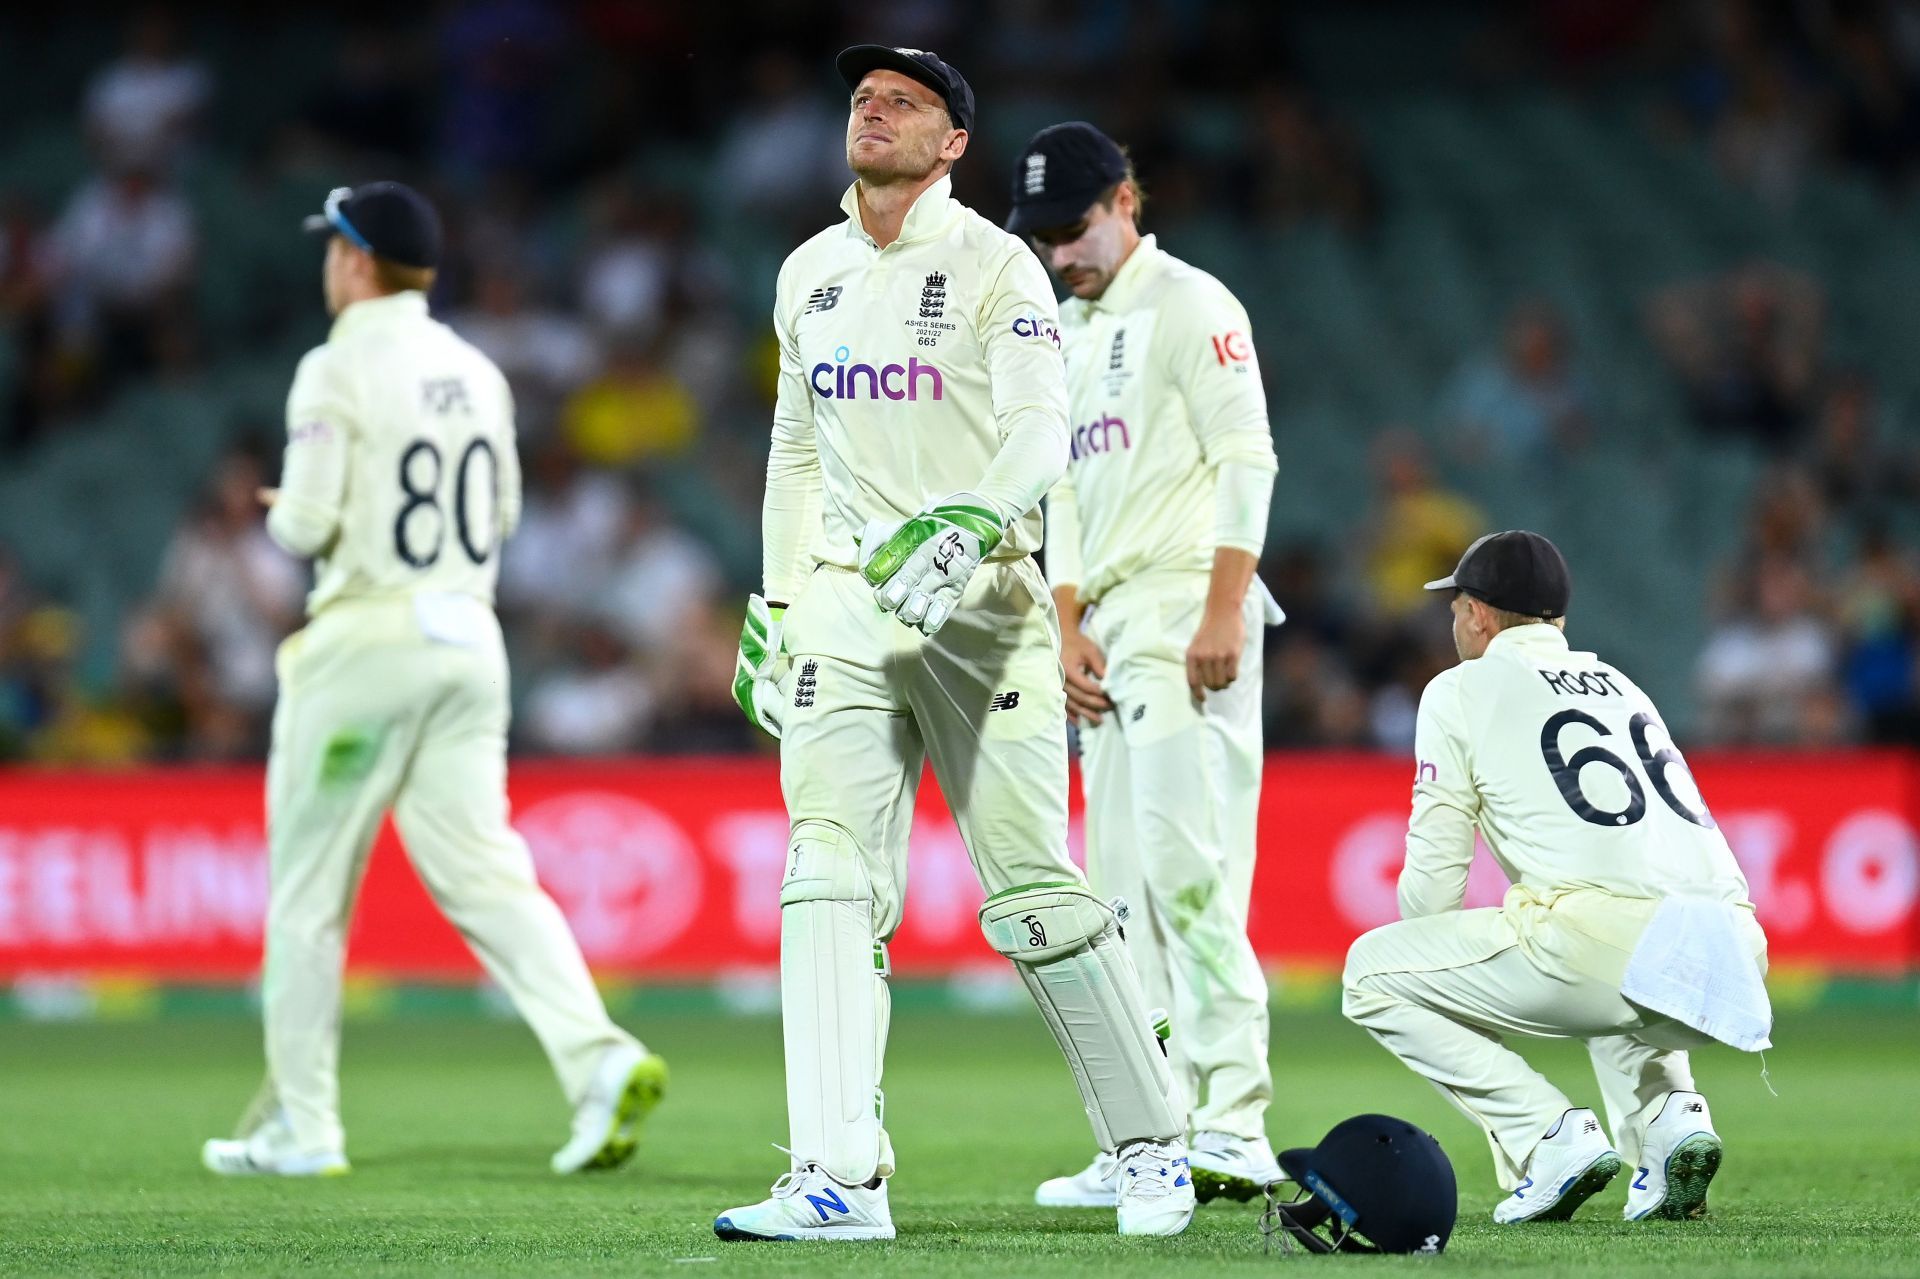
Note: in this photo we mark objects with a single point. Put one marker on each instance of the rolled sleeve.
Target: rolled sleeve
(1446, 806)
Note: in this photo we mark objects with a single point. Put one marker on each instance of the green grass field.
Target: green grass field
(450, 1122)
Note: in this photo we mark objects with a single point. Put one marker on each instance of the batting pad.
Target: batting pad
(834, 1006)
(1066, 945)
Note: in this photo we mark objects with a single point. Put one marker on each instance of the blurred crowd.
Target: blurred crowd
(620, 290)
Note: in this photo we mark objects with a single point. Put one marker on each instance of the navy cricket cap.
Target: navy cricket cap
(1518, 571)
(1062, 170)
(1381, 1179)
(916, 64)
(388, 219)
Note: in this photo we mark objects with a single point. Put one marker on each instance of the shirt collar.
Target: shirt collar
(1534, 636)
(930, 211)
(1138, 268)
(380, 310)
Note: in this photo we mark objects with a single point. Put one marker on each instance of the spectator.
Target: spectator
(122, 262)
(786, 148)
(1302, 166)
(598, 702)
(1419, 530)
(635, 411)
(544, 351)
(373, 102)
(664, 580)
(1854, 470)
(227, 596)
(573, 521)
(1879, 610)
(1747, 348)
(142, 110)
(501, 73)
(1525, 404)
(1766, 676)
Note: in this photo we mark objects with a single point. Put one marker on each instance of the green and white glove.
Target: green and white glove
(762, 664)
(920, 567)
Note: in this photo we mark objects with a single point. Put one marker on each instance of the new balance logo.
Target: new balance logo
(1138, 711)
(1003, 702)
(1590, 1125)
(808, 683)
(831, 1199)
(1694, 1108)
(823, 299)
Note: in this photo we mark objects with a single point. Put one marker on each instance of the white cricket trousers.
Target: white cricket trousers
(373, 715)
(869, 702)
(1440, 991)
(1173, 799)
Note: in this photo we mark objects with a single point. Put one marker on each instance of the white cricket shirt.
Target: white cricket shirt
(1569, 773)
(909, 373)
(1167, 403)
(400, 475)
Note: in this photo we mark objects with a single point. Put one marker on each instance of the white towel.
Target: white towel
(1691, 965)
(1269, 607)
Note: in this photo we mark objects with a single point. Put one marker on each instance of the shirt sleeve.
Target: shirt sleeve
(1446, 807)
(305, 518)
(1064, 567)
(790, 512)
(1210, 348)
(1028, 378)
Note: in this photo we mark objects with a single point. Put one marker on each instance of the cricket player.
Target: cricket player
(1152, 541)
(401, 482)
(921, 417)
(1627, 925)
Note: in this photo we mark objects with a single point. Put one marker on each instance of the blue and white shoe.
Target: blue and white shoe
(1679, 1156)
(1573, 1163)
(808, 1204)
(1155, 1188)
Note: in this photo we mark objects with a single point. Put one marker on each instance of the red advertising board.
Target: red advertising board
(670, 868)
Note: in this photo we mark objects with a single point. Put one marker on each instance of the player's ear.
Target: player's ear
(955, 146)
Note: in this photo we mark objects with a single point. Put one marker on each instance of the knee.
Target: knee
(1360, 996)
(824, 863)
(1043, 923)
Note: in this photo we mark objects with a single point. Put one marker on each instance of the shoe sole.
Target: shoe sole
(646, 1086)
(730, 1233)
(1209, 1185)
(1690, 1168)
(1145, 1232)
(224, 1168)
(1086, 1201)
(1581, 1187)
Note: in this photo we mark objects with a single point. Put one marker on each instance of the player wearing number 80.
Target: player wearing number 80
(401, 482)
(1627, 925)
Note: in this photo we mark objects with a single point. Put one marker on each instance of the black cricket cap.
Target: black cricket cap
(1384, 1180)
(388, 219)
(1062, 170)
(1518, 571)
(916, 64)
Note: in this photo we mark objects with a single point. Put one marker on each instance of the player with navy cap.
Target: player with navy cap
(1153, 536)
(400, 483)
(1628, 924)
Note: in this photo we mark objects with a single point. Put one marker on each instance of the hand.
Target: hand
(1213, 659)
(1086, 666)
(763, 661)
(919, 568)
(267, 497)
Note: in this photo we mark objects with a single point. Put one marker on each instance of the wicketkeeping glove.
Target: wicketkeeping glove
(762, 663)
(919, 568)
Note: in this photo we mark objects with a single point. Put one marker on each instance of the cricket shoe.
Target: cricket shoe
(1679, 1155)
(1229, 1167)
(1573, 1163)
(1095, 1186)
(1155, 1188)
(270, 1151)
(626, 1086)
(808, 1204)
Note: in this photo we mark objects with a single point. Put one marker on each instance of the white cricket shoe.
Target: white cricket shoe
(1229, 1167)
(626, 1086)
(1095, 1186)
(1155, 1188)
(1572, 1163)
(1679, 1156)
(808, 1204)
(269, 1151)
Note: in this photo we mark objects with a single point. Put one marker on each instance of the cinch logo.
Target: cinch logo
(843, 381)
(1029, 326)
(1097, 437)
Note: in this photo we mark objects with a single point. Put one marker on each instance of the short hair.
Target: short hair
(397, 277)
(1506, 619)
(1139, 192)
